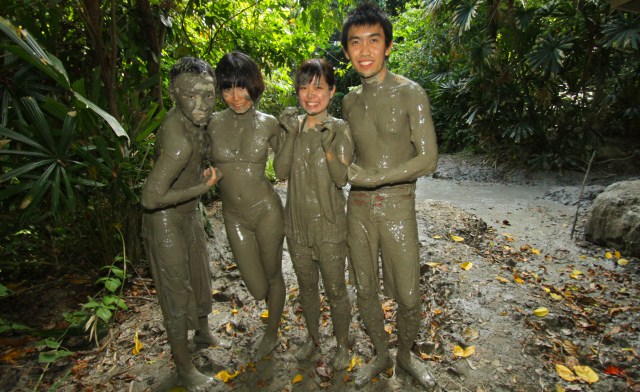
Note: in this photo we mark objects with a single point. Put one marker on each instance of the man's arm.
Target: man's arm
(423, 138)
(157, 191)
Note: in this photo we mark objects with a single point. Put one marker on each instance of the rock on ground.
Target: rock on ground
(614, 218)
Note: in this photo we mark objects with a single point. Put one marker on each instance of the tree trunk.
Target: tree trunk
(105, 53)
(154, 36)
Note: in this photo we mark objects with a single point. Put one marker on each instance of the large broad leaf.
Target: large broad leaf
(464, 14)
(622, 32)
(31, 52)
(549, 53)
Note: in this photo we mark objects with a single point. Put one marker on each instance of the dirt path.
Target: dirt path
(514, 230)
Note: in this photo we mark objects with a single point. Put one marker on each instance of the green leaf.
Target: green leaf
(54, 355)
(622, 32)
(104, 313)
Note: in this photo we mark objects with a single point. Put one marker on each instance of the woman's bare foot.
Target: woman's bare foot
(417, 369)
(268, 343)
(307, 348)
(376, 366)
(341, 358)
(193, 380)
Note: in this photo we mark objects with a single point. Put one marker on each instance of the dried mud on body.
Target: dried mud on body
(495, 251)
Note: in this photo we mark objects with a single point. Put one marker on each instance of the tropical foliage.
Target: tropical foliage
(539, 82)
(83, 90)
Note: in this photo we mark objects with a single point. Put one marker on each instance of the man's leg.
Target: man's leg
(402, 264)
(200, 278)
(362, 239)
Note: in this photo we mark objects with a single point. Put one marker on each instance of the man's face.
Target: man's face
(366, 50)
(195, 96)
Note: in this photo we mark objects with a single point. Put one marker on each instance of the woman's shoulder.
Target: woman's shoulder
(268, 121)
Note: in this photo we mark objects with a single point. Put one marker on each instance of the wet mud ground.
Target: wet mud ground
(495, 246)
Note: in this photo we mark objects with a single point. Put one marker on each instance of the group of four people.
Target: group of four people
(385, 144)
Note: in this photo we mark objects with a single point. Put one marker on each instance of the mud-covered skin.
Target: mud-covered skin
(315, 219)
(172, 230)
(395, 143)
(253, 212)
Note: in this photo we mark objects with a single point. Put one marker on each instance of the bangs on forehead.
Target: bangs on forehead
(309, 76)
(232, 81)
(314, 71)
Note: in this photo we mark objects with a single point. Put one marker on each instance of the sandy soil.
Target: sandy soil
(515, 230)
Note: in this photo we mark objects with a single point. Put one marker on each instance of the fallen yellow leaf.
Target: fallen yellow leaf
(137, 345)
(608, 255)
(224, 376)
(576, 274)
(265, 314)
(541, 312)
(559, 388)
(466, 265)
(437, 236)
(234, 311)
(617, 254)
(586, 373)
(456, 238)
(354, 361)
(622, 262)
(433, 265)
(297, 379)
(502, 280)
(565, 373)
(517, 278)
(555, 296)
(535, 251)
(463, 352)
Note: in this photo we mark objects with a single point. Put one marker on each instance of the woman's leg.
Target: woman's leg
(332, 267)
(270, 238)
(308, 279)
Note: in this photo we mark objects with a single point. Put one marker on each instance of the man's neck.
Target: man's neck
(375, 80)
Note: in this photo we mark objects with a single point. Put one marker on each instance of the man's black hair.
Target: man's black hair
(367, 14)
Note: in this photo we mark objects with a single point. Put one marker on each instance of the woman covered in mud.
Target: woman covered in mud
(252, 210)
(315, 155)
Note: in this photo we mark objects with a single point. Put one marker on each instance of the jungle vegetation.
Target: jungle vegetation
(83, 88)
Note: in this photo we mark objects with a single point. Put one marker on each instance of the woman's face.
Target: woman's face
(315, 96)
(238, 99)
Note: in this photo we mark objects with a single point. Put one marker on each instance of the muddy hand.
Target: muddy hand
(328, 133)
(358, 176)
(212, 176)
(289, 120)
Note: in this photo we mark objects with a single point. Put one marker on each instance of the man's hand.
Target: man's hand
(211, 176)
(327, 134)
(289, 120)
(358, 176)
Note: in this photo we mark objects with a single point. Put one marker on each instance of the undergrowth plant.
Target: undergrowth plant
(100, 308)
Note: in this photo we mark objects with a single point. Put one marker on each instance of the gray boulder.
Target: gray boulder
(614, 218)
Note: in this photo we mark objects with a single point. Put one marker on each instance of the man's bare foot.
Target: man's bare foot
(418, 370)
(194, 381)
(204, 337)
(376, 366)
(267, 345)
(307, 348)
(341, 358)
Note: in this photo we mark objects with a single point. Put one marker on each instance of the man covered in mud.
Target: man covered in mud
(172, 226)
(395, 144)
